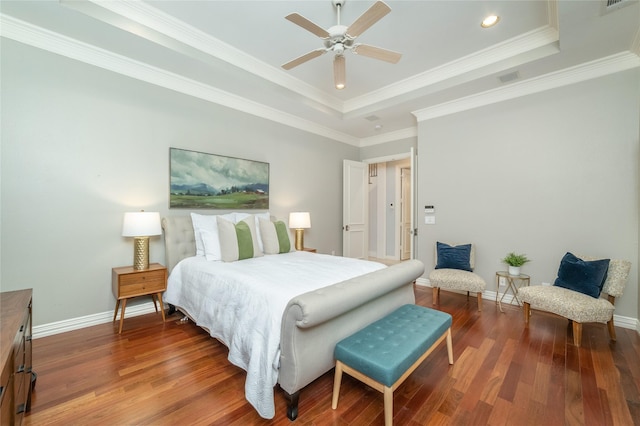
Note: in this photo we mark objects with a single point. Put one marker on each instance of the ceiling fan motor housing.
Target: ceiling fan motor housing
(338, 40)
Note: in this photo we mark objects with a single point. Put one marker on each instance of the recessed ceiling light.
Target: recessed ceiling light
(490, 21)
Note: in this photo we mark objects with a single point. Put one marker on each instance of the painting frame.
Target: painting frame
(200, 180)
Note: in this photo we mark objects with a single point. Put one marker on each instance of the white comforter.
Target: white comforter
(241, 303)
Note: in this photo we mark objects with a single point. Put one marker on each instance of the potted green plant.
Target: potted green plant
(515, 261)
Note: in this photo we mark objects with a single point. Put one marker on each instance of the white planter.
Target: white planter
(514, 270)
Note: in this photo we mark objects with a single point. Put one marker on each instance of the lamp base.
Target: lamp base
(141, 253)
(299, 239)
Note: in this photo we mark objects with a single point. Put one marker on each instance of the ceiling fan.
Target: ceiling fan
(340, 38)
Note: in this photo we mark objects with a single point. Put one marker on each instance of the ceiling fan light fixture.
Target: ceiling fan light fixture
(339, 74)
(490, 21)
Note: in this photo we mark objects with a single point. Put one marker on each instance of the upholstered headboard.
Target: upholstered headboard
(179, 239)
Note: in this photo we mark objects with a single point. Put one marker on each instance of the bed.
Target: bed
(293, 343)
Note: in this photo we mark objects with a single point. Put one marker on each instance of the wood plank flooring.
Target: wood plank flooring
(503, 374)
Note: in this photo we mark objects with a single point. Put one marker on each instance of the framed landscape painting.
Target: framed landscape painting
(208, 181)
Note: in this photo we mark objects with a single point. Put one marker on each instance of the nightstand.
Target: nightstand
(128, 282)
(310, 250)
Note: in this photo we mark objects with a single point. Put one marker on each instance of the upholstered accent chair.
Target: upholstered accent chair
(576, 306)
(452, 277)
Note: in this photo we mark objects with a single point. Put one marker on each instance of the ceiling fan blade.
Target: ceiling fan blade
(304, 58)
(303, 22)
(339, 72)
(377, 53)
(368, 18)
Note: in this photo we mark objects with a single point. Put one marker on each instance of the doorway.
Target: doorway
(390, 204)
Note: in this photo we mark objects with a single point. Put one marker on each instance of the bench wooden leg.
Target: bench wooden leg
(435, 295)
(527, 313)
(479, 294)
(336, 385)
(388, 406)
(449, 346)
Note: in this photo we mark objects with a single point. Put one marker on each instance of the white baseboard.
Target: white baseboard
(148, 307)
(619, 320)
(89, 320)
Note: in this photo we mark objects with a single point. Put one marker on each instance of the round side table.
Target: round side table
(513, 283)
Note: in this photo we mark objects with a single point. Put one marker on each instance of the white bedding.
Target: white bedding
(241, 303)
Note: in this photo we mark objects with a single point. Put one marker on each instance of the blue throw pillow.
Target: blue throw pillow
(453, 257)
(584, 276)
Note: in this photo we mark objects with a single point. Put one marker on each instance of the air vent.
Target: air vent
(372, 118)
(609, 6)
(505, 78)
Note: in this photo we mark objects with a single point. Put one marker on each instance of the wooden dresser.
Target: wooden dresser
(15, 346)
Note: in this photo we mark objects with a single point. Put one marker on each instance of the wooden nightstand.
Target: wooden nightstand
(128, 282)
(311, 250)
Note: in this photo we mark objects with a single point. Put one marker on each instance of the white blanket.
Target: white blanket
(241, 303)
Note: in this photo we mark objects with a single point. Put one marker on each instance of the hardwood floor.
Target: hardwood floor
(503, 374)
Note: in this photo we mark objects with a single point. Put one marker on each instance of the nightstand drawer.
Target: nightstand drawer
(143, 283)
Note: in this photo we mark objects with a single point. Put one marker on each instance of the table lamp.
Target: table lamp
(299, 221)
(141, 225)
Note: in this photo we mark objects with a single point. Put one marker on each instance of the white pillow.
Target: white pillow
(211, 243)
(209, 223)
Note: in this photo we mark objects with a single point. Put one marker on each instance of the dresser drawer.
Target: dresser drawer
(6, 394)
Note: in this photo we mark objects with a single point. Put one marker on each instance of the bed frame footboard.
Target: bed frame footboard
(314, 322)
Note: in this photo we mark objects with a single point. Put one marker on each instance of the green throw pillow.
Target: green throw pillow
(245, 242)
(275, 237)
(283, 237)
(238, 241)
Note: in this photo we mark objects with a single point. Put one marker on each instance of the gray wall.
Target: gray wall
(401, 146)
(543, 174)
(81, 146)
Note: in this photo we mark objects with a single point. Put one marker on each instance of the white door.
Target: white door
(355, 212)
(406, 233)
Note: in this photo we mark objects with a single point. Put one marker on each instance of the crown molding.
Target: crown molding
(41, 38)
(143, 14)
(409, 132)
(582, 72)
(509, 48)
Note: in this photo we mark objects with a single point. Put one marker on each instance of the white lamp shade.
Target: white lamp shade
(299, 220)
(141, 224)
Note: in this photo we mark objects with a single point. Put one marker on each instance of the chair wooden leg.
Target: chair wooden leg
(527, 313)
(612, 329)
(435, 295)
(577, 333)
(479, 295)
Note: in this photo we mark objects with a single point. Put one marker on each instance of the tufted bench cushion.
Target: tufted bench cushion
(387, 348)
(385, 352)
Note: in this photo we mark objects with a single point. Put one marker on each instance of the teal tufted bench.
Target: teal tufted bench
(384, 353)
